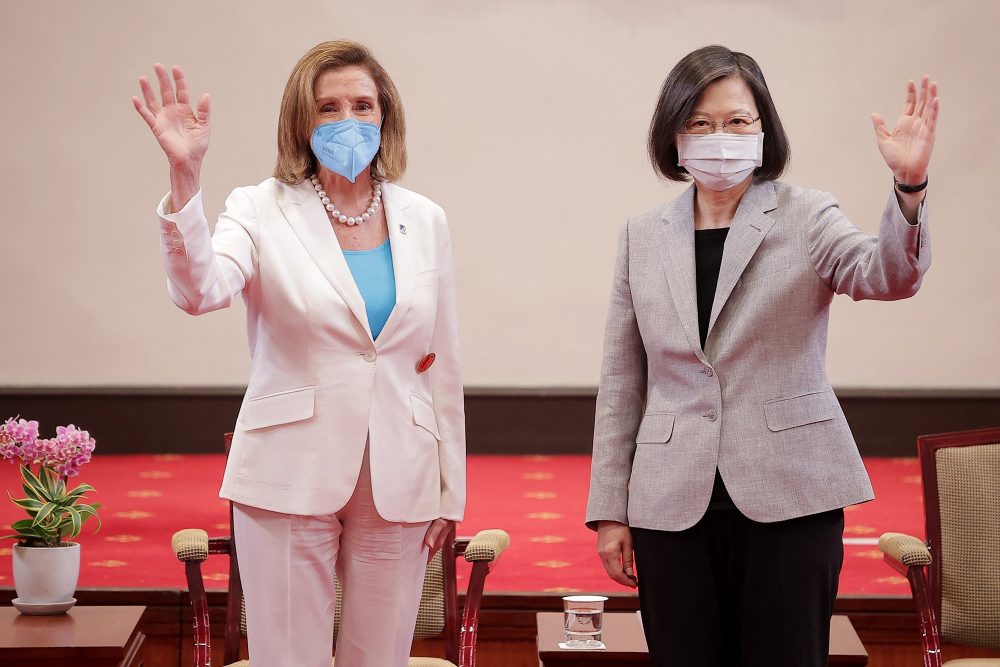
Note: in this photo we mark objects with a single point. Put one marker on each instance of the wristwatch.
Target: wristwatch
(909, 189)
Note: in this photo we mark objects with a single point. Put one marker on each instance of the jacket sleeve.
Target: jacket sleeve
(850, 261)
(204, 270)
(620, 400)
(446, 383)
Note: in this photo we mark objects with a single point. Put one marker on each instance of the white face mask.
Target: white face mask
(720, 161)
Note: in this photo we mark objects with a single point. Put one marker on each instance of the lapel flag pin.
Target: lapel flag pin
(402, 229)
(425, 363)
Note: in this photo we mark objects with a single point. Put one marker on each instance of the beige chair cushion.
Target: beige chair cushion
(906, 549)
(968, 487)
(974, 662)
(414, 662)
(430, 616)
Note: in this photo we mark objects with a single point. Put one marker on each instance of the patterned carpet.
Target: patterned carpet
(539, 500)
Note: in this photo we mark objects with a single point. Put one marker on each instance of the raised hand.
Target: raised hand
(907, 149)
(181, 132)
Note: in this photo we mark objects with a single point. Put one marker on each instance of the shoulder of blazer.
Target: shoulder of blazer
(417, 209)
(651, 218)
(799, 201)
(270, 192)
(409, 199)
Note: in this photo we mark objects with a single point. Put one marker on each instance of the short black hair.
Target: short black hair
(680, 92)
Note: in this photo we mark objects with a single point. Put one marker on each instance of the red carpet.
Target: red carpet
(539, 500)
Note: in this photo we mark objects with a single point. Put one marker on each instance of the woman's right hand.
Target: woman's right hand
(181, 132)
(614, 545)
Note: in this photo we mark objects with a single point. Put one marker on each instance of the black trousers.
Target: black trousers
(731, 592)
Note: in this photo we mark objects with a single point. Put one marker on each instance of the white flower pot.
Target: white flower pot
(46, 575)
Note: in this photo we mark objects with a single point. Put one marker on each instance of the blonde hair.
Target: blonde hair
(298, 112)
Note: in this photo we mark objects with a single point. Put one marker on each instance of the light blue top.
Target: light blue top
(376, 280)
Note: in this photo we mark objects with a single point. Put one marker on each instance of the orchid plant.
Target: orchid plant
(56, 512)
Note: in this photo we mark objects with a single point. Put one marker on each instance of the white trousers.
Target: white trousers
(287, 565)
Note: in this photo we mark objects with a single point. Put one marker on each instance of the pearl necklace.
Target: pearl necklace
(337, 216)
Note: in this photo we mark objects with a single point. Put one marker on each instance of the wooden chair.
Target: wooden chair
(955, 576)
(439, 613)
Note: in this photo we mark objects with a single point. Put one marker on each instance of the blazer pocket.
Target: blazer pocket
(655, 429)
(428, 277)
(283, 407)
(423, 415)
(809, 408)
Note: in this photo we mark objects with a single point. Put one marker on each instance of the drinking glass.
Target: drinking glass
(583, 617)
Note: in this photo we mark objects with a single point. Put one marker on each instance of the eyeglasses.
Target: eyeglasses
(740, 124)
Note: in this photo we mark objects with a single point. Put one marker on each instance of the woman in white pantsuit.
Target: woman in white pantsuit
(349, 450)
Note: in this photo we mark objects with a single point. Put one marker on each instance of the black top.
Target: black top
(708, 247)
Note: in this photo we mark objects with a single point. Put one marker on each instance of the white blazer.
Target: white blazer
(320, 387)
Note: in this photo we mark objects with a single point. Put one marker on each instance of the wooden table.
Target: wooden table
(627, 646)
(82, 637)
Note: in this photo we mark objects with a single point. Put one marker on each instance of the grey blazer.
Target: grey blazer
(756, 402)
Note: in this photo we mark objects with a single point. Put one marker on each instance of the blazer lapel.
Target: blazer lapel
(402, 245)
(750, 226)
(307, 217)
(677, 252)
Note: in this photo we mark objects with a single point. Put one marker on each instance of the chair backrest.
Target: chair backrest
(961, 478)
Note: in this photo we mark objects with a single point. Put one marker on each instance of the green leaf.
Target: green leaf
(79, 491)
(18, 501)
(27, 531)
(29, 477)
(51, 482)
(27, 528)
(88, 508)
(76, 522)
(28, 503)
(59, 488)
(43, 513)
(30, 490)
(87, 511)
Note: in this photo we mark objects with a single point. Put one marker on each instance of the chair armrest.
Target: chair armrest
(911, 558)
(190, 545)
(905, 549)
(487, 546)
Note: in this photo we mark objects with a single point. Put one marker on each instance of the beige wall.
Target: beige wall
(527, 123)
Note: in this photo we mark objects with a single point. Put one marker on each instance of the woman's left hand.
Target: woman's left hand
(907, 149)
(437, 532)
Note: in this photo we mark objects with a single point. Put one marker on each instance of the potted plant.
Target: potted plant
(46, 560)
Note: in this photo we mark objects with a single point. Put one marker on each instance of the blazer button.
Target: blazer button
(712, 415)
(708, 371)
(370, 356)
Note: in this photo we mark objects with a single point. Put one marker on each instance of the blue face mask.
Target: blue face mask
(346, 147)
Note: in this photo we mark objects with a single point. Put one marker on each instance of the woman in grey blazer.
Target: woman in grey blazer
(722, 458)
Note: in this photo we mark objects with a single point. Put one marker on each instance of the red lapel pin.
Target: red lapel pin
(426, 362)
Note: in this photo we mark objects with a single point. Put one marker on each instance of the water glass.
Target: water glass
(583, 617)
